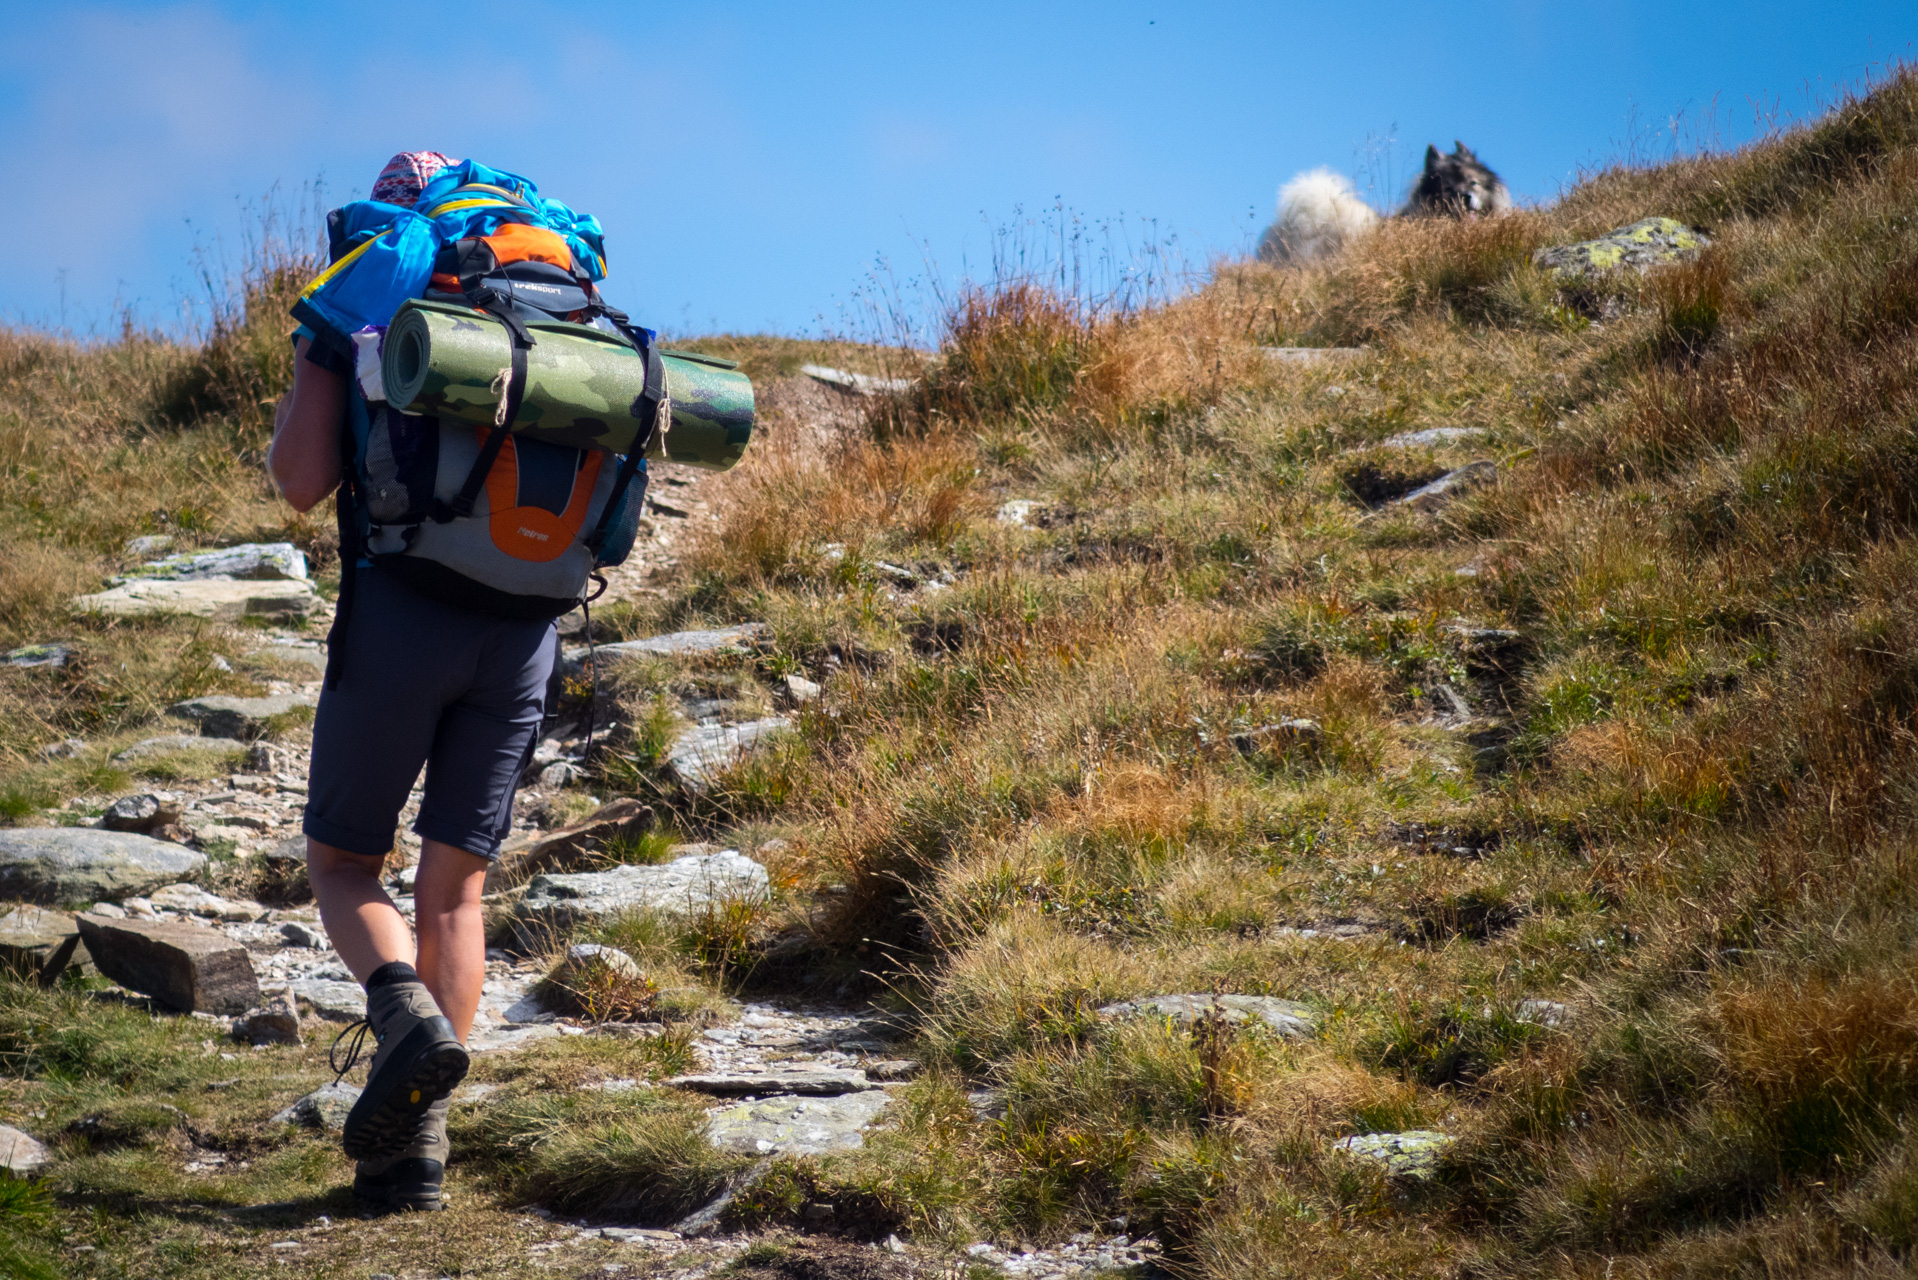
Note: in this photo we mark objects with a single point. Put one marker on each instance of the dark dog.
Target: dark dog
(1319, 212)
(1459, 185)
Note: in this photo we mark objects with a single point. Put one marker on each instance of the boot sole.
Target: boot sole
(387, 1115)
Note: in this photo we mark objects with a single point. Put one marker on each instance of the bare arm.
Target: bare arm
(305, 458)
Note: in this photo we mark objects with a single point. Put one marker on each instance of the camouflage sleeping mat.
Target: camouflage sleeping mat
(581, 384)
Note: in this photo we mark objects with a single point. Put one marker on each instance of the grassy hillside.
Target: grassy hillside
(1629, 729)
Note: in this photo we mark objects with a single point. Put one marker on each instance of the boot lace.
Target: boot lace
(359, 1031)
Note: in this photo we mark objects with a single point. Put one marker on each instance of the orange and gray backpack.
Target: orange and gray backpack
(476, 517)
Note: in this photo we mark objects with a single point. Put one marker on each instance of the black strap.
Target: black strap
(512, 395)
(646, 409)
(346, 507)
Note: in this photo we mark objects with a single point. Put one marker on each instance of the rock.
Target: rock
(65, 749)
(583, 956)
(111, 910)
(183, 966)
(812, 1082)
(797, 691)
(253, 561)
(265, 758)
(858, 383)
(892, 1070)
(525, 856)
(1432, 496)
(554, 903)
(221, 601)
(1542, 1013)
(700, 753)
(151, 544)
(38, 944)
(1015, 512)
(1287, 1017)
(1412, 1154)
(1286, 733)
(797, 1126)
(219, 840)
(168, 744)
(330, 998)
(192, 900)
(679, 644)
(898, 573)
(303, 935)
(28, 657)
(20, 1153)
(141, 813)
(1650, 242)
(74, 864)
(222, 717)
(1431, 437)
(324, 1108)
(1310, 355)
(275, 1021)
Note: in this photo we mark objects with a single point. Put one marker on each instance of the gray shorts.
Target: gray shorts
(423, 683)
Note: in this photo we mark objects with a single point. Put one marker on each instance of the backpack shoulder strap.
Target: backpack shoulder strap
(647, 409)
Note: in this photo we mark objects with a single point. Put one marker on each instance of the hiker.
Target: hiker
(443, 645)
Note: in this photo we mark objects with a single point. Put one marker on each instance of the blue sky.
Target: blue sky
(753, 162)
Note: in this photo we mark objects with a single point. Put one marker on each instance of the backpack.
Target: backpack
(475, 517)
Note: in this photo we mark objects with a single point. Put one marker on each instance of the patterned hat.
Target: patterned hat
(406, 175)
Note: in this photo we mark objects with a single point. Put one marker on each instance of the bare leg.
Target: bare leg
(452, 931)
(366, 929)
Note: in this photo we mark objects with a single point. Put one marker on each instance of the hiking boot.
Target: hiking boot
(408, 1182)
(418, 1062)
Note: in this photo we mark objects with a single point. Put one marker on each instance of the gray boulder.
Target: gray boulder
(172, 744)
(811, 1081)
(333, 999)
(37, 944)
(1287, 1017)
(554, 903)
(699, 754)
(678, 644)
(54, 865)
(253, 561)
(220, 600)
(50, 657)
(275, 1021)
(324, 1108)
(1649, 242)
(21, 1154)
(1430, 438)
(797, 1126)
(222, 717)
(140, 813)
(1432, 496)
(1412, 1154)
(182, 966)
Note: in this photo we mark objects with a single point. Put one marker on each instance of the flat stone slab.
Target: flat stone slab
(1412, 1154)
(183, 966)
(28, 657)
(526, 856)
(1650, 242)
(21, 1153)
(703, 751)
(54, 865)
(1287, 1017)
(308, 655)
(677, 644)
(1430, 438)
(191, 900)
(220, 716)
(1310, 355)
(330, 998)
(220, 600)
(814, 1082)
(38, 944)
(324, 1108)
(797, 1126)
(1431, 497)
(252, 561)
(172, 744)
(557, 902)
(863, 384)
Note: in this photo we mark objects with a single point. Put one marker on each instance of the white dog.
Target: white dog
(1318, 213)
